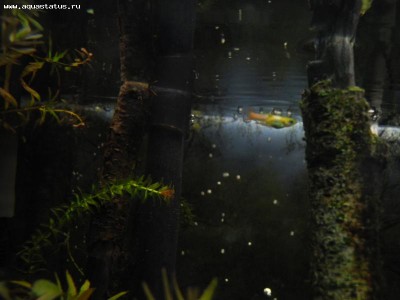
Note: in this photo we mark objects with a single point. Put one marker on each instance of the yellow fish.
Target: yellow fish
(272, 120)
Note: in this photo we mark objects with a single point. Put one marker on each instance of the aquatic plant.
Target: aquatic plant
(192, 294)
(82, 204)
(20, 37)
(44, 289)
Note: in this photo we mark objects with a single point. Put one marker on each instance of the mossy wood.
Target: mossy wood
(339, 143)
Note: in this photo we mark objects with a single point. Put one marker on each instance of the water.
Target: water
(252, 230)
(246, 181)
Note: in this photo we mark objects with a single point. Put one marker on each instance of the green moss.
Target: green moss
(339, 140)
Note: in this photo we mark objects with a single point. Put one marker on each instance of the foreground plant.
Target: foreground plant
(21, 37)
(44, 289)
(192, 294)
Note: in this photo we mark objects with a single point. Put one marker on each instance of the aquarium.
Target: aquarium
(201, 149)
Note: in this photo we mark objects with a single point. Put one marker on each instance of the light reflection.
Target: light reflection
(267, 292)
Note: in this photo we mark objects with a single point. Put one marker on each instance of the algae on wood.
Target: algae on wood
(339, 146)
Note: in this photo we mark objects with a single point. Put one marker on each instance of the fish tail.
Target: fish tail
(251, 115)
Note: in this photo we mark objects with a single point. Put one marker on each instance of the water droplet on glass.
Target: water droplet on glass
(275, 202)
(210, 155)
(216, 27)
(94, 153)
(248, 58)
(229, 54)
(223, 214)
(202, 193)
(209, 191)
(225, 174)
(214, 146)
(222, 251)
(196, 224)
(222, 220)
(269, 139)
(267, 292)
(218, 182)
(240, 110)
(182, 252)
(249, 244)
(226, 279)
(292, 233)
(223, 40)
(236, 49)
(237, 177)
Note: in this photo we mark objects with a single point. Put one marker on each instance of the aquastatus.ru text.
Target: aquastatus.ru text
(42, 6)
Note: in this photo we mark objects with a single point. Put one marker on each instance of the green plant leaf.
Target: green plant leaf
(46, 290)
(32, 68)
(85, 286)
(34, 36)
(209, 291)
(167, 289)
(4, 291)
(8, 98)
(178, 291)
(71, 285)
(85, 295)
(35, 23)
(25, 284)
(117, 296)
(24, 51)
(30, 90)
(147, 292)
(22, 33)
